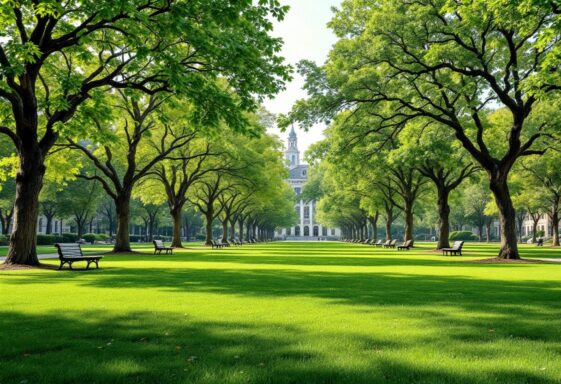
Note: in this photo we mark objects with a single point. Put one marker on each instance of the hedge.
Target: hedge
(462, 235)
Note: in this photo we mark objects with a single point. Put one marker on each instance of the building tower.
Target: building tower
(292, 154)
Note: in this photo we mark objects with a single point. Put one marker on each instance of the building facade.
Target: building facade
(307, 227)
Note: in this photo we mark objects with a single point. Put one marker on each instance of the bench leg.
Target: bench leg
(70, 264)
(61, 264)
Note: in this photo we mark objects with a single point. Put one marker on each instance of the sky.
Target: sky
(305, 36)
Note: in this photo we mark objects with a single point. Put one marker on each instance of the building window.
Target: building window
(298, 211)
(332, 231)
(298, 190)
(306, 231)
(293, 159)
(324, 231)
(288, 231)
(316, 230)
(297, 231)
(41, 224)
(306, 212)
(304, 172)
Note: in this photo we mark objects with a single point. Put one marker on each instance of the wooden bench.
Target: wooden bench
(390, 244)
(405, 246)
(379, 243)
(72, 252)
(159, 247)
(236, 242)
(216, 244)
(455, 249)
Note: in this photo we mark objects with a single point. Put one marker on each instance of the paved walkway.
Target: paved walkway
(41, 257)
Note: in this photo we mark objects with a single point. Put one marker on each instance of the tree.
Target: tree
(401, 61)
(142, 139)
(56, 60)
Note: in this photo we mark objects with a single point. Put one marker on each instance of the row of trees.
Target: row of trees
(97, 76)
(427, 93)
(61, 62)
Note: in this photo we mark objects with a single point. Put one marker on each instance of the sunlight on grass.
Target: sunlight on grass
(286, 313)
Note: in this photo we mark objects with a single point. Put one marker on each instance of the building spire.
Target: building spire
(292, 154)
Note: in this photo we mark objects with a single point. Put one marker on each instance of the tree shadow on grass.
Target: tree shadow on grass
(143, 347)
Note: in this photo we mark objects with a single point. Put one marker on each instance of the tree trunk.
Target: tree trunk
(177, 219)
(488, 232)
(443, 218)
(480, 232)
(240, 226)
(49, 228)
(374, 224)
(29, 181)
(122, 239)
(507, 216)
(555, 227)
(232, 229)
(535, 229)
(408, 212)
(208, 226)
(225, 231)
(389, 221)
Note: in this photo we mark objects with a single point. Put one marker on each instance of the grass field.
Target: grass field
(285, 313)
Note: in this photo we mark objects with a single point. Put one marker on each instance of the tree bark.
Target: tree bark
(507, 215)
(208, 226)
(225, 231)
(488, 231)
(122, 239)
(555, 227)
(240, 226)
(177, 218)
(408, 212)
(389, 221)
(29, 181)
(443, 218)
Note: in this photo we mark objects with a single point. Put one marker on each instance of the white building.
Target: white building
(307, 228)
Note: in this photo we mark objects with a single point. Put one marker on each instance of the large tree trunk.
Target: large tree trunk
(122, 239)
(555, 227)
(208, 226)
(29, 181)
(408, 212)
(49, 228)
(177, 219)
(443, 218)
(535, 229)
(374, 224)
(232, 229)
(225, 231)
(480, 232)
(507, 216)
(488, 232)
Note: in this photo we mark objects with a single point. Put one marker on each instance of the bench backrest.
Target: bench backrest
(408, 243)
(388, 242)
(158, 243)
(393, 242)
(69, 250)
(457, 245)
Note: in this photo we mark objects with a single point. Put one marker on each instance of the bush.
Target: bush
(49, 239)
(200, 237)
(135, 238)
(69, 237)
(462, 235)
(3, 240)
(89, 237)
(101, 236)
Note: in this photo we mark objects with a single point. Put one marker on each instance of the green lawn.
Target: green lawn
(285, 313)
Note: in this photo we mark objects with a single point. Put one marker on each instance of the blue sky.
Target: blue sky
(305, 36)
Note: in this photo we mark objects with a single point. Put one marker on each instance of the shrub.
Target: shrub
(101, 236)
(3, 240)
(89, 237)
(69, 237)
(135, 238)
(462, 235)
(49, 239)
(200, 237)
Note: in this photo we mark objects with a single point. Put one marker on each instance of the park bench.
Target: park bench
(539, 242)
(72, 252)
(405, 246)
(159, 247)
(455, 249)
(216, 244)
(379, 243)
(390, 244)
(236, 242)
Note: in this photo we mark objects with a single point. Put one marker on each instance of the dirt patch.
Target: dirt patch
(497, 260)
(16, 267)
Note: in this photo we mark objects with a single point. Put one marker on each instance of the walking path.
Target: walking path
(41, 257)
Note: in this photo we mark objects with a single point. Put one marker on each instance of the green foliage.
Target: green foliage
(462, 235)
(89, 237)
